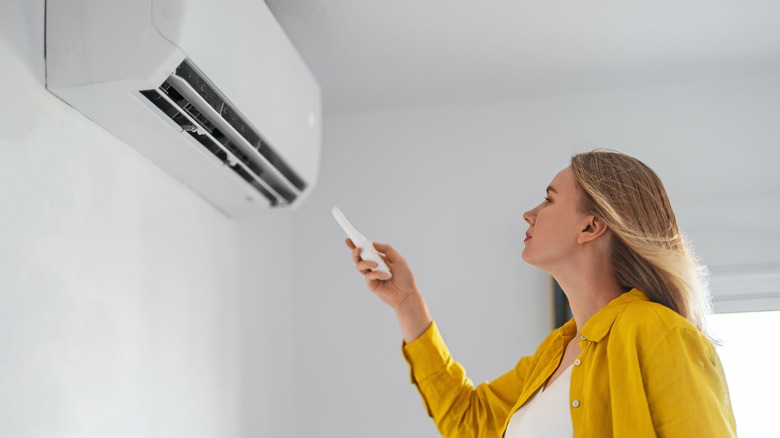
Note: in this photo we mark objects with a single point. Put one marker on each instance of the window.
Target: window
(750, 358)
(747, 322)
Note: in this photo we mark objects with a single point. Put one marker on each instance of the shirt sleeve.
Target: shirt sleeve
(687, 391)
(456, 406)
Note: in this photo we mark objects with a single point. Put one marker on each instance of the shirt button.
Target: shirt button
(583, 338)
(575, 403)
(577, 362)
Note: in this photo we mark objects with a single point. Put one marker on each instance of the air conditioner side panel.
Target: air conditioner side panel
(93, 41)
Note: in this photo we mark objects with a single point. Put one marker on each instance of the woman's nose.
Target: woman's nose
(529, 217)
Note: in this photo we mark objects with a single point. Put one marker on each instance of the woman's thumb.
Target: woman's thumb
(387, 250)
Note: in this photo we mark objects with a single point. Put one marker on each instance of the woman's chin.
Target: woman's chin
(528, 258)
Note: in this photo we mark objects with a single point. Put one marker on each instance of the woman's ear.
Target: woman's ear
(592, 228)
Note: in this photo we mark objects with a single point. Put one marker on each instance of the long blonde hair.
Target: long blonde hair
(648, 252)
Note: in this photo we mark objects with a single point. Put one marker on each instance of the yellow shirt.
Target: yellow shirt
(644, 371)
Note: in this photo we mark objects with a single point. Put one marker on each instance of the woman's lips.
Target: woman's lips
(527, 236)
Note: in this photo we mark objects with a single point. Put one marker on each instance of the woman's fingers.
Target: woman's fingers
(356, 255)
(388, 251)
(377, 275)
(366, 265)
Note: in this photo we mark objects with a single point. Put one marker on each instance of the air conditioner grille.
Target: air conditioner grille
(199, 109)
(187, 72)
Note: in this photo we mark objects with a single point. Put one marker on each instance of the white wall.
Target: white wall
(267, 355)
(447, 187)
(128, 306)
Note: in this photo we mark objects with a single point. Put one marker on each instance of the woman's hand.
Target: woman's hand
(395, 291)
(399, 292)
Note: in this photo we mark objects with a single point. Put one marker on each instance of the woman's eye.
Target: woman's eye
(547, 199)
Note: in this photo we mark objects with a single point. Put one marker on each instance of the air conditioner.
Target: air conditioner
(213, 92)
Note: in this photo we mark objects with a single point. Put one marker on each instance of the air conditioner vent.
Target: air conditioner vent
(199, 109)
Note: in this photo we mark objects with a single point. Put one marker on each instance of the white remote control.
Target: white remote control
(367, 251)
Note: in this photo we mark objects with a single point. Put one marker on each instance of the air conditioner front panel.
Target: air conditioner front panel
(200, 171)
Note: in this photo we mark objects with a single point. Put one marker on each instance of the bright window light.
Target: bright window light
(750, 358)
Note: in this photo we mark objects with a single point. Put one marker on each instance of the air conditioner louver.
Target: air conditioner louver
(197, 107)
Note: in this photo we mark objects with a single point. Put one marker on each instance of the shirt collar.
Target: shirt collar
(601, 322)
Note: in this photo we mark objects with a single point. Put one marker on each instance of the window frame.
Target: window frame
(745, 289)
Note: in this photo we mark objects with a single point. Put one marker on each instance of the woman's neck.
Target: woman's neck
(588, 291)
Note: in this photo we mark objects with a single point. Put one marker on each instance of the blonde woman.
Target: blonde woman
(635, 360)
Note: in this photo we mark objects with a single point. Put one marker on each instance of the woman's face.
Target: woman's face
(555, 223)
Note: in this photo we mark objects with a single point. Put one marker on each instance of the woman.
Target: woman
(633, 362)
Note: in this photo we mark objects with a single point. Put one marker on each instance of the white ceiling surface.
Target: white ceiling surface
(379, 54)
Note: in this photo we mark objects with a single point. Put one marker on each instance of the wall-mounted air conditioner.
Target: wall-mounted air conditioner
(211, 91)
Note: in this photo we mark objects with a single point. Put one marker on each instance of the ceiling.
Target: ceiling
(378, 54)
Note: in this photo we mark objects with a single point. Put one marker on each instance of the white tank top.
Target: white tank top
(546, 413)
